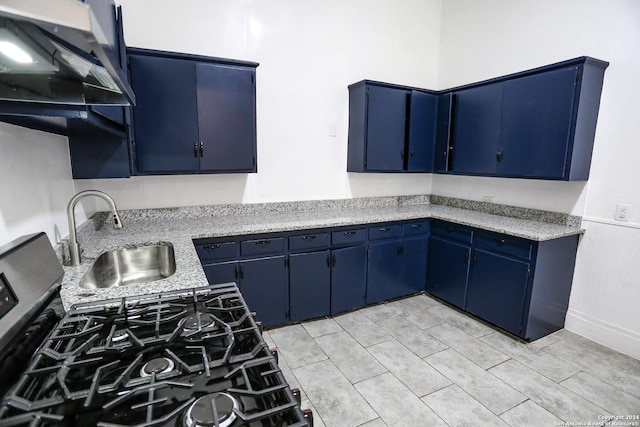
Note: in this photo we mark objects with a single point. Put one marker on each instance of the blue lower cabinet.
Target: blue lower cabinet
(221, 272)
(519, 285)
(309, 290)
(497, 290)
(413, 265)
(348, 278)
(263, 283)
(383, 267)
(396, 268)
(448, 270)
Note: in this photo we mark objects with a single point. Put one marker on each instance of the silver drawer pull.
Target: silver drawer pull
(308, 237)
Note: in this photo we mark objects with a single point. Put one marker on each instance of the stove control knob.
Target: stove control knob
(308, 415)
(297, 395)
(274, 352)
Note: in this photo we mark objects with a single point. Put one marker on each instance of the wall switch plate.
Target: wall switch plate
(622, 212)
(487, 199)
(332, 129)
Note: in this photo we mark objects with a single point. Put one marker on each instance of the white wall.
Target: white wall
(35, 184)
(309, 52)
(487, 38)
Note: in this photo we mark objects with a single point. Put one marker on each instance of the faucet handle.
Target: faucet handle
(117, 222)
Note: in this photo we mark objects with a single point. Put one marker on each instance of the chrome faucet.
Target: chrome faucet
(74, 247)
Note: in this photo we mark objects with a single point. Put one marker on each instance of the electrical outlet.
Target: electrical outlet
(487, 199)
(622, 212)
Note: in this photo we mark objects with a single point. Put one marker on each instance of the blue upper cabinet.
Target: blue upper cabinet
(476, 129)
(166, 137)
(386, 117)
(99, 144)
(391, 128)
(535, 124)
(193, 114)
(422, 131)
(226, 117)
(536, 128)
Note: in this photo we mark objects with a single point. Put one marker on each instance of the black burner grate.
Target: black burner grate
(144, 361)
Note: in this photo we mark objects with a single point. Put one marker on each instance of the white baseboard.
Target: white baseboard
(615, 337)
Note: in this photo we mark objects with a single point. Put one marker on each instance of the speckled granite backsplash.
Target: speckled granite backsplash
(340, 204)
(510, 211)
(261, 208)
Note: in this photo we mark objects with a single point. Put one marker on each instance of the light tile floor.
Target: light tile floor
(417, 362)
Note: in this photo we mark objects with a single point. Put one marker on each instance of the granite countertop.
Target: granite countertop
(181, 225)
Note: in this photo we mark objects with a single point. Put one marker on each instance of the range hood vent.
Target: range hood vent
(54, 52)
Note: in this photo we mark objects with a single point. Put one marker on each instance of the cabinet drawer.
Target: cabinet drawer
(384, 232)
(217, 251)
(262, 246)
(418, 227)
(503, 244)
(349, 236)
(451, 231)
(309, 241)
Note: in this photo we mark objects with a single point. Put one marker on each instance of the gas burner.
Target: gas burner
(197, 321)
(212, 410)
(119, 336)
(159, 365)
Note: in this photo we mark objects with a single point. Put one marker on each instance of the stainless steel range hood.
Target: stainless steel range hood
(54, 52)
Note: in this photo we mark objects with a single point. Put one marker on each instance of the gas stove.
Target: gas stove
(185, 358)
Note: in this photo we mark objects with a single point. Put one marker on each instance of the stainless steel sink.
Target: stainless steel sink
(127, 266)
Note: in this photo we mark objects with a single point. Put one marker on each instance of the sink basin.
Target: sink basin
(128, 266)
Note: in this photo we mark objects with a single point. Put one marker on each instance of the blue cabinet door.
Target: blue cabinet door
(448, 270)
(383, 271)
(226, 117)
(413, 265)
(165, 115)
(223, 272)
(263, 283)
(497, 290)
(309, 284)
(386, 116)
(348, 278)
(536, 124)
(476, 129)
(422, 131)
(443, 143)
